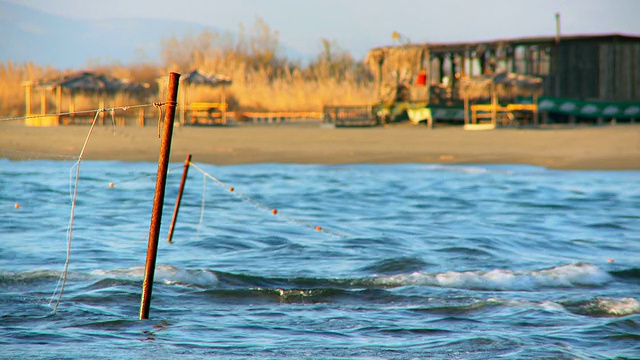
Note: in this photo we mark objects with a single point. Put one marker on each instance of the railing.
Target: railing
(274, 117)
(343, 116)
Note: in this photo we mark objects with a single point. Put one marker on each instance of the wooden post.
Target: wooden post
(58, 103)
(536, 116)
(158, 200)
(494, 104)
(141, 118)
(466, 109)
(223, 101)
(28, 86)
(43, 101)
(58, 99)
(463, 64)
(179, 198)
(102, 106)
(183, 104)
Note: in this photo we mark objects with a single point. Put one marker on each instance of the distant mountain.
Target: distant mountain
(45, 39)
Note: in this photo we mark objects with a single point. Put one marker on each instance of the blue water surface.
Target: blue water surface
(358, 261)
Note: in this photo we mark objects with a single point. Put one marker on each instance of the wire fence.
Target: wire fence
(75, 182)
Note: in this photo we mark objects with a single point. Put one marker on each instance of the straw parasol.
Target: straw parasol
(87, 81)
(201, 78)
(197, 77)
(82, 82)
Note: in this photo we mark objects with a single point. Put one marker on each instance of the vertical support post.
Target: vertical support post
(59, 99)
(179, 198)
(141, 118)
(43, 101)
(58, 103)
(28, 86)
(158, 200)
(466, 109)
(102, 106)
(183, 105)
(536, 115)
(223, 102)
(494, 105)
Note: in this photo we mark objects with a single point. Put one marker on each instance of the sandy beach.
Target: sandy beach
(572, 148)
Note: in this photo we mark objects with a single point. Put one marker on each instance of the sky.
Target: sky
(359, 25)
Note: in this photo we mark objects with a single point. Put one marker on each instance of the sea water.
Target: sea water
(358, 261)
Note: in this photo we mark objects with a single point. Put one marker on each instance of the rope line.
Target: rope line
(74, 196)
(160, 117)
(73, 189)
(204, 193)
(112, 110)
(264, 206)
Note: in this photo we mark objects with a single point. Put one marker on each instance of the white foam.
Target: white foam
(618, 307)
(501, 279)
(164, 273)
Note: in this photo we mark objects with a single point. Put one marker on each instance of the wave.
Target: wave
(244, 288)
(564, 276)
(604, 307)
(166, 274)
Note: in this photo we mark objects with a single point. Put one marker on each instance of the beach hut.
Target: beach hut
(84, 82)
(496, 88)
(199, 112)
(588, 77)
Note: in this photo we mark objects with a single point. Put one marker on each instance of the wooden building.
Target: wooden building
(582, 67)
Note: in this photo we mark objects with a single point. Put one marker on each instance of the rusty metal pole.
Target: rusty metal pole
(158, 200)
(179, 198)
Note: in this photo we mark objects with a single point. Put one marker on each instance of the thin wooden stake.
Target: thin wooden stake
(158, 200)
(179, 198)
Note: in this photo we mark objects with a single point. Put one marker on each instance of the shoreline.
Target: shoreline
(609, 147)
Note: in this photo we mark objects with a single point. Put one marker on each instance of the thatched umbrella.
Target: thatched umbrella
(197, 77)
(499, 86)
(83, 82)
(201, 78)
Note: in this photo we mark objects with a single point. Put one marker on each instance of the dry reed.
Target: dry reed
(262, 80)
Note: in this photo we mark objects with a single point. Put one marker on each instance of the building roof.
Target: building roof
(536, 40)
(197, 77)
(86, 81)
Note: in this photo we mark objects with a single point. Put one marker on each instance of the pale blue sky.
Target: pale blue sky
(358, 25)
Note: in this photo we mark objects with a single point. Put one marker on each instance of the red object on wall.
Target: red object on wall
(422, 78)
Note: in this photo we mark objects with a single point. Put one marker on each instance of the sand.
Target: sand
(610, 147)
